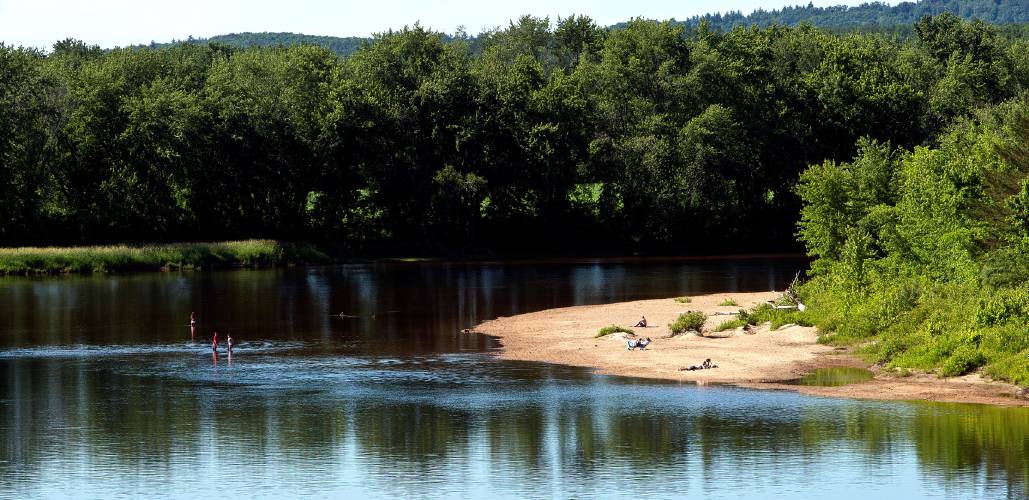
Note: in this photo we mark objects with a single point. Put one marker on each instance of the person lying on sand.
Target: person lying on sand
(703, 366)
(643, 343)
(631, 343)
(642, 323)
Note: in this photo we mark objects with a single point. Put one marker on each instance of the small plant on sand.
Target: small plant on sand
(731, 324)
(690, 320)
(728, 302)
(608, 330)
(683, 300)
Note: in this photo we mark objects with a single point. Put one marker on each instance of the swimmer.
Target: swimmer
(193, 318)
(228, 340)
(214, 342)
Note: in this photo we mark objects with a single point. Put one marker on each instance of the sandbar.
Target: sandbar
(760, 358)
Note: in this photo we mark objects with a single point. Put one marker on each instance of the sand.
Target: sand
(761, 359)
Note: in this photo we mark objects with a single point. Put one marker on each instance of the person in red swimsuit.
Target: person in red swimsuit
(214, 342)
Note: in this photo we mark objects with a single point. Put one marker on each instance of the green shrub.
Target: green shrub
(728, 302)
(963, 360)
(683, 300)
(608, 330)
(763, 313)
(690, 320)
(1014, 368)
(731, 324)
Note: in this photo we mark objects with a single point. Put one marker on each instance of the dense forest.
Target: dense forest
(573, 137)
(872, 15)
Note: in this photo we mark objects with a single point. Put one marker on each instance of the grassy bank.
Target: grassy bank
(246, 253)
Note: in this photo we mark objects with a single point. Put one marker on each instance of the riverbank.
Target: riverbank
(172, 256)
(761, 358)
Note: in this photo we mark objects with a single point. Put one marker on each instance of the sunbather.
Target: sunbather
(631, 343)
(703, 366)
(643, 343)
(642, 323)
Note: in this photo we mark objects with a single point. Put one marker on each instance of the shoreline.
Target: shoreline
(131, 258)
(762, 359)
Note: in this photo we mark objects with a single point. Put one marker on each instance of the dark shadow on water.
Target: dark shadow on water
(834, 377)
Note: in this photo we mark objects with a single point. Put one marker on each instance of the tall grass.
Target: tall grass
(245, 253)
(731, 324)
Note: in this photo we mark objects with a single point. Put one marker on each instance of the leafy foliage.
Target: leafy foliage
(930, 273)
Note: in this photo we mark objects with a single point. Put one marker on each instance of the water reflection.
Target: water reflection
(402, 427)
(102, 394)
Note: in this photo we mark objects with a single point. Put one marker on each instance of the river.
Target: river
(356, 381)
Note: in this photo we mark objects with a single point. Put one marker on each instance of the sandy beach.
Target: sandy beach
(762, 358)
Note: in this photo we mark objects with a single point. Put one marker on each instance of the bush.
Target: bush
(608, 330)
(1014, 368)
(728, 302)
(683, 300)
(964, 359)
(777, 317)
(690, 320)
(731, 324)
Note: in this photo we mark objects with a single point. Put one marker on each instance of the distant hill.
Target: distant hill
(876, 16)
(339, 45)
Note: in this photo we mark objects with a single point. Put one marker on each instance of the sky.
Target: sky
(112, 23)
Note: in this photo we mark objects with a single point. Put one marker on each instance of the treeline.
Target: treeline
(874, 15)
(570, 137)
(868, 18)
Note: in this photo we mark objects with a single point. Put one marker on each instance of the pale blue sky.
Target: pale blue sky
(110, 23)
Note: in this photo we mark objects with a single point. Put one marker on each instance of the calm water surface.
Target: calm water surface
(104, 393)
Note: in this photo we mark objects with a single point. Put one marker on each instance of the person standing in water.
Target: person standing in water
(214, 342)
(228, 340)
(193, 318)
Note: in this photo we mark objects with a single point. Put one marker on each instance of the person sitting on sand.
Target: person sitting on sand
(643, 322)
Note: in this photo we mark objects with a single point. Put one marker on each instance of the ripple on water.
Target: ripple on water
(142, 350)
